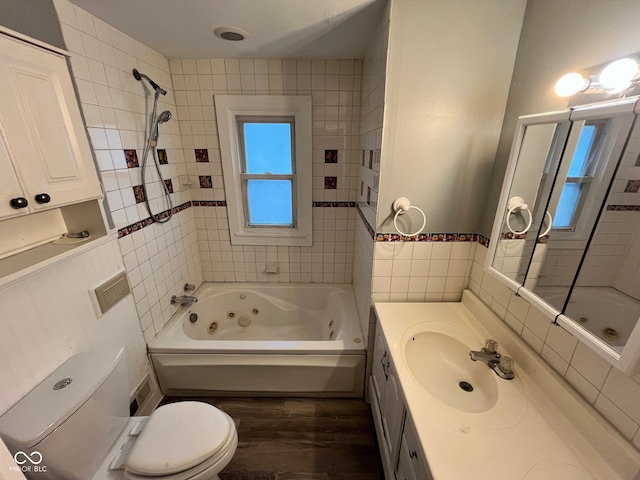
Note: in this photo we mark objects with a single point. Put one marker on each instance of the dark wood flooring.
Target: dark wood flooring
(300, 439)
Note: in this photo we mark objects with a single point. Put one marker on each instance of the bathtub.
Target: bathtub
(263, 339)
(604, 311)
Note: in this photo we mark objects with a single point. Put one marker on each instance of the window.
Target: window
(580, 175)
(265, 143)
(594, 146)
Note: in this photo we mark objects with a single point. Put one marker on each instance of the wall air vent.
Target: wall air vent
(112, 291)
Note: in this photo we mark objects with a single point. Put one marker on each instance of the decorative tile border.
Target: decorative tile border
(623, 208)
(512, 236)
(482, 240)
(209, 203)
(334, 204)
(129, 229)
(366, 224)
(427, 237)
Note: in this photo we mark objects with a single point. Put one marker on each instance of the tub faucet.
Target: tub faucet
(502, 366)
(183, 300)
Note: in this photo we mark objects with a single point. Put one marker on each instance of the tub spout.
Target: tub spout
(183, 300)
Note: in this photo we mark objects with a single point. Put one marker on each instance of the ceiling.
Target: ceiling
(336, 29)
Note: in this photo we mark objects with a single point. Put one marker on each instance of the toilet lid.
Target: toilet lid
(178, 436)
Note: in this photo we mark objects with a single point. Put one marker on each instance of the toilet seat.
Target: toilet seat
(182, 441)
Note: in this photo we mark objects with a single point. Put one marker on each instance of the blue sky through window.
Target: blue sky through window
(270, 202)
(268, 148)
(568, 203)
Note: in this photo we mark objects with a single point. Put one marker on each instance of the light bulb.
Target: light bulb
(618, 75)
(570, 84)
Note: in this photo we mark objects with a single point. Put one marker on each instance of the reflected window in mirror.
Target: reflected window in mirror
(585, 165)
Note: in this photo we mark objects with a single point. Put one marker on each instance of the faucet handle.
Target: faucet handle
(506, 364)
(490, 345)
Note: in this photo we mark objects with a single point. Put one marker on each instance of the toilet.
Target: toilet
(76, 425)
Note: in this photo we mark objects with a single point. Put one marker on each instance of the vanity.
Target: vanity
(439, 415)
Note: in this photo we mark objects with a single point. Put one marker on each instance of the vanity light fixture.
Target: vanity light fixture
(571, 83)
(616, 77)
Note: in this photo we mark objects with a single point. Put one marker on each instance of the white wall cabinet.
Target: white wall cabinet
(45, 158)
(402, 456)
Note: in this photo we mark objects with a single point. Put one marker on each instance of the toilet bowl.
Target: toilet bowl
(76, 425)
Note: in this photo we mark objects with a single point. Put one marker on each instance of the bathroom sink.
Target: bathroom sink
(439, 361)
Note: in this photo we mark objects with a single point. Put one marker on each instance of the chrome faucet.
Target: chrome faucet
(183, 300)
(502, 366)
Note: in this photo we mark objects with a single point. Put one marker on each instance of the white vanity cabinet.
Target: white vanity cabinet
(45, 158)
(386, 403)
(402, 455)
(411, 462)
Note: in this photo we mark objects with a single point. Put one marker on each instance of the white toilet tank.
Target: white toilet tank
(72, 418)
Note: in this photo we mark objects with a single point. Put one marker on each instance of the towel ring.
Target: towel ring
(547, 214)
(401, 205)
(516, 204)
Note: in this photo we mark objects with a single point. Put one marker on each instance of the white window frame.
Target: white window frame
(228, 109)
(620, 116)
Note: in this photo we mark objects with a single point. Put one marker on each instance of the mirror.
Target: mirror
(578, 256)
(534, 161)
(589, 161)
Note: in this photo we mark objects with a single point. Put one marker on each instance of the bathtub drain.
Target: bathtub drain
(610, 333)
(213, 326)
(244, 321)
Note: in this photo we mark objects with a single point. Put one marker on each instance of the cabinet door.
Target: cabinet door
(392, 412)
(43, 126)
(379, 367)
(389, 400)
(405, 467)
(414, 451)
(9, 186)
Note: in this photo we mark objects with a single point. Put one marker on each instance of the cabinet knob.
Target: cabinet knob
(42, 198)
(19, 202)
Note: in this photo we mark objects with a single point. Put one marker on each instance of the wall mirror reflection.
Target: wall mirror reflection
(524, 220)
(590, 158)
(573, 248)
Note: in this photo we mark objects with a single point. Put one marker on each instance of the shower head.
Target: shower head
(139, 76)
(164, 117)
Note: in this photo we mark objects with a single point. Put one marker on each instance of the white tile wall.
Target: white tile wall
(370, 139)
(335, 88)
(160, 258)
(329, 260)
(612, 393)
(48, 316)
(421, 271)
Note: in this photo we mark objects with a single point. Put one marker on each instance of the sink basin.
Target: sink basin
(439, 360)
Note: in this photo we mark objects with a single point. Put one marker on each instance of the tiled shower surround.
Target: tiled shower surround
(159, 258)
(334, 86)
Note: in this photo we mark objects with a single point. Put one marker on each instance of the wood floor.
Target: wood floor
(300, 439)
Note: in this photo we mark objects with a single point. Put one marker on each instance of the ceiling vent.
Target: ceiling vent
(232, 34)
